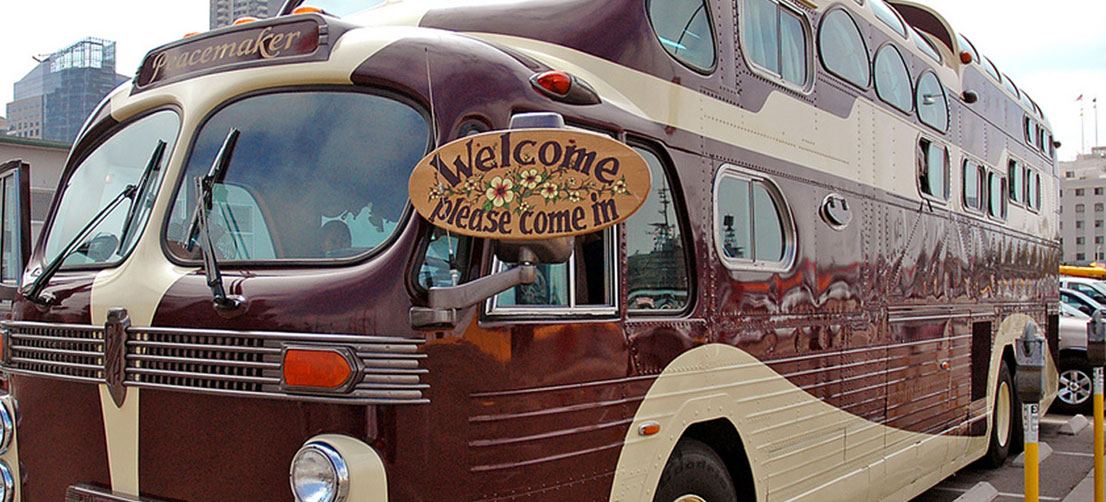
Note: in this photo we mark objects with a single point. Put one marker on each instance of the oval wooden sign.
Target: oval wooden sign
(525, 184)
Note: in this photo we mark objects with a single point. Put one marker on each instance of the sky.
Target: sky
(1056, 53)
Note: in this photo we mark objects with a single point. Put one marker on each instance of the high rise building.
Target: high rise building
(55, 98)
(224, 12)
(1083, 208)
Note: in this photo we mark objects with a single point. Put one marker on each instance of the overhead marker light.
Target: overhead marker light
(966, 57)
(308, 9)
(561, 86)
(191, 34)
(244, 20)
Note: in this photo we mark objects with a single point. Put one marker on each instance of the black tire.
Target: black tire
(1006, 421)
(695, 469)
(1076, 386)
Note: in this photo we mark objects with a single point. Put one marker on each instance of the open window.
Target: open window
(933, 170)
(583, 286)
(15, 223)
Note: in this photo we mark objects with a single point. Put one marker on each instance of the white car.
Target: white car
(1093, 288)
(1075, 370)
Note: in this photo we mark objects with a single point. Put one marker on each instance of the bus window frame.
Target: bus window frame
(402, 223)
(922, 157)
(981, 171)
(783, 209)
(494, 312)
(808, 86)
(713, 36)
(86, 148)
(863, 40)
(1003, 194)
(683, 222)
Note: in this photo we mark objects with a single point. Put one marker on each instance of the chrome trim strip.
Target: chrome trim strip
(386, 369)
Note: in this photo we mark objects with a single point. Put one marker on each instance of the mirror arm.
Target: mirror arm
(471, 293)
(444, 302)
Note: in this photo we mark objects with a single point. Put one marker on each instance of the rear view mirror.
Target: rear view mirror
(15, 225)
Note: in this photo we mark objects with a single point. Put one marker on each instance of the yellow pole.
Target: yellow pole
(1098, 447)
(1032, 477)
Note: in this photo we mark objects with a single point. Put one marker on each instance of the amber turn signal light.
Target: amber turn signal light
(320, 369)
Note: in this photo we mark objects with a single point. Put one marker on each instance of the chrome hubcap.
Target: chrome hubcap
(1075, 387)
(1002, 414)
(690, 498)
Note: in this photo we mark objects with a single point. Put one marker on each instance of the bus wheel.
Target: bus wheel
(1005, 419)
(695, 473)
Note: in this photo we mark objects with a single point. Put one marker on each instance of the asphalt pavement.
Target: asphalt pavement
(1065, 474)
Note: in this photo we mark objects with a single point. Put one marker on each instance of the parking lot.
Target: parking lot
(1063, 474)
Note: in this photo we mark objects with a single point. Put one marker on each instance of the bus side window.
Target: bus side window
(656, 263)
(842, 48)
(683, 28)
(933, 170)
(585, 285)
(753, 227)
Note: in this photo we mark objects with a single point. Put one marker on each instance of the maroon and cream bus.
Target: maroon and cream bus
(849, 216)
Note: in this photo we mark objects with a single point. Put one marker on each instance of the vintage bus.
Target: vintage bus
(851, 218)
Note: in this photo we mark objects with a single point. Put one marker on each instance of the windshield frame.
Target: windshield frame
(103, 128)
(401, 224)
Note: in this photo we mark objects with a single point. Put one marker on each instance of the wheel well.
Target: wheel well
(1073, 352)
(1009, 359)
(723, 438)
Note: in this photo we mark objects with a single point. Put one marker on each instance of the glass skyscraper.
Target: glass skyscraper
(55, 98)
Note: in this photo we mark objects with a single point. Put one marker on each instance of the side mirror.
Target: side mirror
(1086, 310)
(15, 225)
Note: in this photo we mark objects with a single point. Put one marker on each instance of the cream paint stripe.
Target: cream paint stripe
(141, 282)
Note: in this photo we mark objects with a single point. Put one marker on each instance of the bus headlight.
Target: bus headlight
(7, 483)
(7, 428)
(319, 474)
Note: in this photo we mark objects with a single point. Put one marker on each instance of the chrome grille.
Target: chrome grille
(215, 361)
(73, 351)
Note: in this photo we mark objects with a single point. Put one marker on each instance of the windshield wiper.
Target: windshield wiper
(33, 292)
(205, 187)
(153, 166)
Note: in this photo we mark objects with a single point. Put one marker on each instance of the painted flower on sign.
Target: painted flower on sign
(549, 192)
(499, 191)
(530, 179)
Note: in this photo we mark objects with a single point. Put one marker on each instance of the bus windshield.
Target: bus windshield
(100, 177)
(315, 175)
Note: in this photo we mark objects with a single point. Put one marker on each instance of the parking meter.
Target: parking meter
(1029, 350)
(1096, 339)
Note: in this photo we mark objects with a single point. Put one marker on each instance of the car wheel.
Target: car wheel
(1005, 419)
(695, 473)
(1076, 386)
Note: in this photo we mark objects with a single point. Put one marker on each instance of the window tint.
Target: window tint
(1033, 190)
(933, 106)
(327, 181)
(775, 40)
(750, 221)
(1015, 172)
(842, 48)
(683, 27)
(888, 16)
(973, 185)
(893, 80)
(933, 169)
(657, 268)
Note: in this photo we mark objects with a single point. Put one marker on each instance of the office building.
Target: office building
(54, 99)
(1083, 208)
(224, 12)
